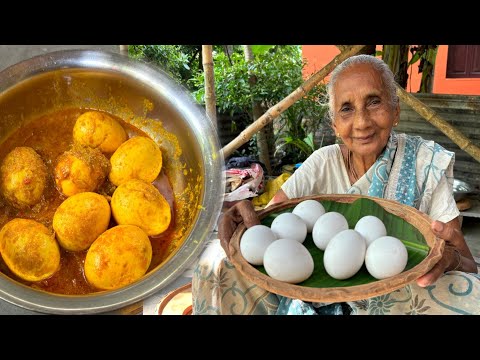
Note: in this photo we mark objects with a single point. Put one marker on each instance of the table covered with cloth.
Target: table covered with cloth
(219, 289)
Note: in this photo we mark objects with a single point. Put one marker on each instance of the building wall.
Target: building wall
(318, 56)
(460, 111)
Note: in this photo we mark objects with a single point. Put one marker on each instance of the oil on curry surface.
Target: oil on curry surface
(90, 202)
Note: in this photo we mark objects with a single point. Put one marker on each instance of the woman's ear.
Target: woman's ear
(334, 128)
(397, 114)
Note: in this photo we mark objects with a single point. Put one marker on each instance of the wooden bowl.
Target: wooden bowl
(177, 302)
(347, 293)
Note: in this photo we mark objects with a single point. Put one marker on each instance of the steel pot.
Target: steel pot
(133, 91)
(461, 189)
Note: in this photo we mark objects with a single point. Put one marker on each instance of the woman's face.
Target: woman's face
(363, 116)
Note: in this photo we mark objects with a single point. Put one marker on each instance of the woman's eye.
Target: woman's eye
(374, 102)
(345, 109)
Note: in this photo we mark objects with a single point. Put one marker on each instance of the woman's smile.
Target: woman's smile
(364, 139)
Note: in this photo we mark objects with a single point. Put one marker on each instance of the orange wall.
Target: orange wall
(317, 56)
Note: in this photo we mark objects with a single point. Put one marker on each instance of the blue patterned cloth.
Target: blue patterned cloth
(287, 306)
(218, 288)
(410, 186)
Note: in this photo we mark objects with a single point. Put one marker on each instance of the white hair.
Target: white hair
(378, 64)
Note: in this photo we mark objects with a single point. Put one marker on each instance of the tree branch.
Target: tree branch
(436, 120)
(210, 99)
(288, 101)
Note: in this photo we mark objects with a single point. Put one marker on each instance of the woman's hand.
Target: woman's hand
(456, 255)
(241, 211)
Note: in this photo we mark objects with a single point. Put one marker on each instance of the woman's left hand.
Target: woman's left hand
(243, 211)
(452, 257)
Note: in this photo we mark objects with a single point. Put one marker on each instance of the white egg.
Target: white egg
(288, 260)
(371, 228)
(254, 242)
(344, 254)
(289, 226)
(309, 211)
(326, 227)
(386, 256)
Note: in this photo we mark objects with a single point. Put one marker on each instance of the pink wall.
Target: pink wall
(318, 56)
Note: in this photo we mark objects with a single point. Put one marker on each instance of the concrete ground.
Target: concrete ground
(471, 230)
(11, 54)
(471, 226)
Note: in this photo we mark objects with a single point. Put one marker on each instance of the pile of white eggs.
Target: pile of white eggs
(279, 248)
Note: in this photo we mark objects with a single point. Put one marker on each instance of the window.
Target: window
(463, 61)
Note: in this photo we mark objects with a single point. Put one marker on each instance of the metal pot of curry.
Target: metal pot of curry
(110, 182)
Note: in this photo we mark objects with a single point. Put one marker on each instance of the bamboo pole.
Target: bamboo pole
(288, 101)
(257, 111)
(436, 120)
(124, 50)
(210, 99)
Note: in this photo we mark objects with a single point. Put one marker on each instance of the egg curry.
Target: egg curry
(85, 205)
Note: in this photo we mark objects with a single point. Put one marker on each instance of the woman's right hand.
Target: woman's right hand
(456, 255)
(242, 211)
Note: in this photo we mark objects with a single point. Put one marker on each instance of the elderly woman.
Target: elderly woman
(373, 160)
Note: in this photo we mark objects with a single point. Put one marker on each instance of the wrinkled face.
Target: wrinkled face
(363, 116)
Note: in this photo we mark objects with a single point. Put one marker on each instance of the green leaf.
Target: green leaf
(279, 147)
(309, 141)
(302, 146)
(414, 241)
(378, 53)
(414, 58)
(432, 55)
(261, 49)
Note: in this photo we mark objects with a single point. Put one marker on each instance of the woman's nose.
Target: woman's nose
(362, 118)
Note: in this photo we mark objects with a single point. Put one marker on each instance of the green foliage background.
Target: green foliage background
(278, 69)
